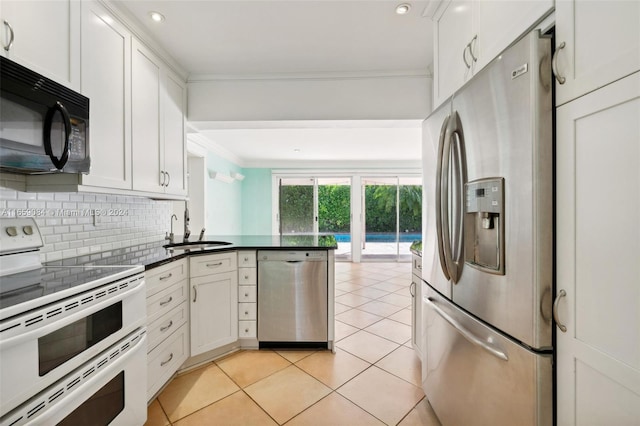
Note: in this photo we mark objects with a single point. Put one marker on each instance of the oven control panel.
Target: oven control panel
(19, 234)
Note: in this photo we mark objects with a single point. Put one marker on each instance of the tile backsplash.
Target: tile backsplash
(75, 224)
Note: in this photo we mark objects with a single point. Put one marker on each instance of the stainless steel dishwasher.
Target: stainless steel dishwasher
(292, 297)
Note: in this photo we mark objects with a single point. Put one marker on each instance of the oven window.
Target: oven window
(63, 344)
(101, 408)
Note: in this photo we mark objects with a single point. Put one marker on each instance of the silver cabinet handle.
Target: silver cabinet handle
(246, 312)
(163, 363)
(168, 179)
(561, 326)
(246, 295)
(464, 332)
(412, 289)
(471, 45)
(246, 259)
(246, 330)
(554, 63)
(464, 56)
(213, 265)
(166, 277)
(165, 328)
(166, 302)
(11, 36)
(195, 294)
(162, 178)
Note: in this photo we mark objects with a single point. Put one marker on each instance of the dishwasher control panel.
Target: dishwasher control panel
(292, 255)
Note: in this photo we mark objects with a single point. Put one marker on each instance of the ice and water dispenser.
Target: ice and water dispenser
(484, 225)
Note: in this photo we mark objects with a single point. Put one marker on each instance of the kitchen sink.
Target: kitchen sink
(201, 245)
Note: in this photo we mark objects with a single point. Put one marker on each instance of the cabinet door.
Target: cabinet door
(500, 23)
(46, 37)
(602, 44)
(175, 153)
(214, 311)
(106, 80)
(598, 247)
(452, 32)
(147, 155)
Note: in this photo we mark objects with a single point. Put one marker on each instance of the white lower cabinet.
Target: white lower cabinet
(214, 301)
(597, 252)
(247, 298)
(167, 327)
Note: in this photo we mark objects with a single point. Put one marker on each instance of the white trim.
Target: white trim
(356, 75)
(346, 172)
(214, 148)
(198, 126)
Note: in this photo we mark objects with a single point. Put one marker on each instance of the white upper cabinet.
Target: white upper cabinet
(43, 36)
(453, 35)
(106, 80)
(468, 34)
(597, 42)
(148, 157)
(175, 150)
(158, 128)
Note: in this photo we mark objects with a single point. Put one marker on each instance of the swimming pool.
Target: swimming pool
(385, 237)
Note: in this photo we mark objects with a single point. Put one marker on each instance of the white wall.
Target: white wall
(361, 98)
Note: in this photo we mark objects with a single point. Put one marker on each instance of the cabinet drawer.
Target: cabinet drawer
(416, 265)
(247, 329)
(247, 311)
(161, 328)
(163, 302)
(247, 276)
(157, 279)
(247, 293)
(213, 264)
(247, 259)
(165, 359)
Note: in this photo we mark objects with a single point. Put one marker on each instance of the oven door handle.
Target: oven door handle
(20, 335)
(467, 334)
(48, 123)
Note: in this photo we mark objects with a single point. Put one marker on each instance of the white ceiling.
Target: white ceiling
(242, 38)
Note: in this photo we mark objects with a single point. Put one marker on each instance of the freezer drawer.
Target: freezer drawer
(475, 375)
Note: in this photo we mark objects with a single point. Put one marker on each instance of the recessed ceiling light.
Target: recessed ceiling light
(156, 16)
(403, 9)
(296, 149)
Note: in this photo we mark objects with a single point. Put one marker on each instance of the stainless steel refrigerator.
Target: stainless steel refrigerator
(488, 244)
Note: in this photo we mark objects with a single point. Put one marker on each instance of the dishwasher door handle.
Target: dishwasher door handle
(294, 261)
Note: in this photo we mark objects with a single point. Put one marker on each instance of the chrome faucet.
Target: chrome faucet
(201, 235)
(170, 236)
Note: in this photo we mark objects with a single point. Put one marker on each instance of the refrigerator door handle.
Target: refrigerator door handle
(439, 196)
(453, 246)
(464, 332)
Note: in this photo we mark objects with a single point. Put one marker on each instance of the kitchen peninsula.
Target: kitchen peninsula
(202, 301)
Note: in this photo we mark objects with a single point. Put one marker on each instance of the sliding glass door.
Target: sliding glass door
(392, 210)
(317, 206)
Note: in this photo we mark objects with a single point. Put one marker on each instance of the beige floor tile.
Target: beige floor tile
(365, 281)
(333, 370)
(403, 280)
(404, 363)
(421, 415)
(294, 355)
(397, 299)
(339, 292)
(195, 390)
(367, 346)
(390, 287)
(379, 308)
(348, 286)
(155, 415)
(287, 393)
(392, 330)
(358, 318)
(352, 300)
(403, 316)
(248, 367)
(343, 330)
(372, 293)
(340, 308)
(235, 410)
(334, 410)
(382, 394)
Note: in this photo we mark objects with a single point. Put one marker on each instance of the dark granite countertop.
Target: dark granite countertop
(416, 248)
(154, 254)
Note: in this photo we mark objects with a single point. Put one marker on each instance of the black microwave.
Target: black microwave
(44, 126)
